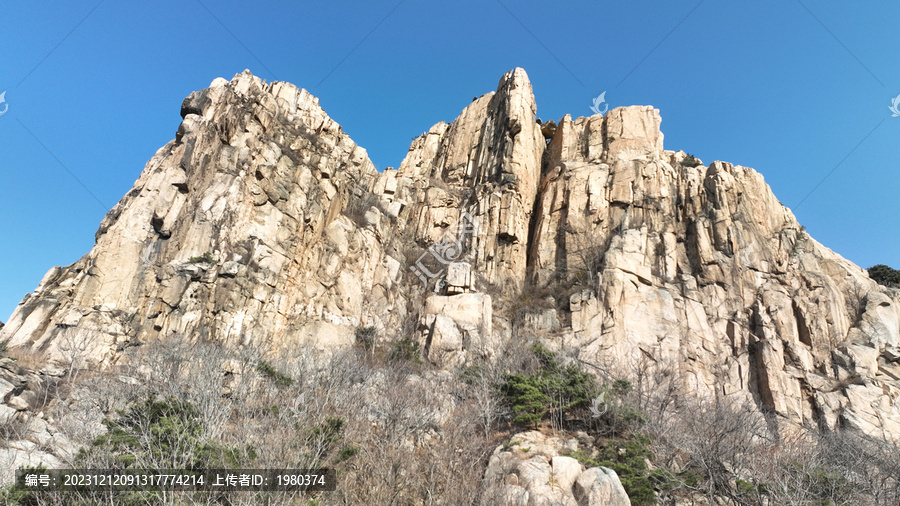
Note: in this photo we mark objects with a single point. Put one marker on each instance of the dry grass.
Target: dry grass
(27, 357)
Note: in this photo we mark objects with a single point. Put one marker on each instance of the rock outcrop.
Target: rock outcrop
(234, 232)
(534, 469)
(487, 163)
(700, 270)
(30, 437)
(262, 222)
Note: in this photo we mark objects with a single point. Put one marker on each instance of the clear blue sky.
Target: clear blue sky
(791, 89)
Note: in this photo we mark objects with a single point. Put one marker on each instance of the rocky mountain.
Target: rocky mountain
(263, 223)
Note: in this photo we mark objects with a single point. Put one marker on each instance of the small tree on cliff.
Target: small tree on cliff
(884, 275)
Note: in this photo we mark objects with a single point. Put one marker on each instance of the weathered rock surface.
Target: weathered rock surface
(262, 222)
(487, 163)
(233, 232)
(28, 439)
(532, 470)
(456, 326)
(699, 269)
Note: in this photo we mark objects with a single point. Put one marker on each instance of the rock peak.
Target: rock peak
(263, 223)
(515, 79)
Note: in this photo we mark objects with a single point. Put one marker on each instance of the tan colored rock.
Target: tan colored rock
(29, 440)
(460, 278)
(600, 485)
(701, 270)
(493, 152)
(220, 237)
(529, 468)
(24, 454)
(263, 223)
(453, 327)
(566, 471)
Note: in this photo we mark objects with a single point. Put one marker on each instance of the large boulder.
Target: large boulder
(530, 470)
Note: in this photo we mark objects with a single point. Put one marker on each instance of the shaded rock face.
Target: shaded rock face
(263, 223)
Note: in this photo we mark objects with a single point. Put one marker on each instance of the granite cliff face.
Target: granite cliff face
(232, 232)
(263, 223)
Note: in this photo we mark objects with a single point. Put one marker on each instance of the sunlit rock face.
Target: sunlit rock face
(233, 232)
(700, 270)
(263, 223)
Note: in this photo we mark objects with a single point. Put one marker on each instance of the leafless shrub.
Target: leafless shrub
(74, 347)
(421, 447)
(401, 433)
(360, 200)
(856, 300)
(92, 398)
(723, 449)
(46, 389)
(840, 468)
(13, 427)
(717, 437)
(585, 256)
